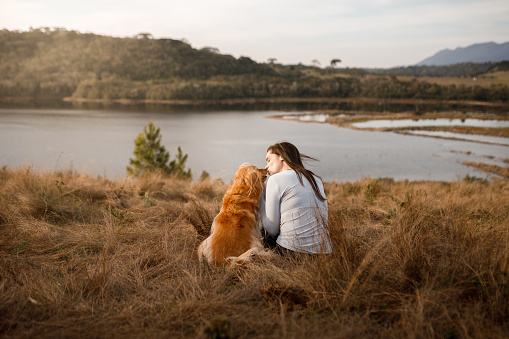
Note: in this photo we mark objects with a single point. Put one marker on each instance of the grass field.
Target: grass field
(485, 80)
(90, 257)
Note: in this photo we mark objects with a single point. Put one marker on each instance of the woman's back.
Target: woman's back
(293, 210)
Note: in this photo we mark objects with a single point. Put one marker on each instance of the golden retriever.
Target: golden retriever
(235, 232)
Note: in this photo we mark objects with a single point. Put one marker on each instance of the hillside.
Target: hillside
(59, 60)
(57, 64)
(467, 69)
(478, 53)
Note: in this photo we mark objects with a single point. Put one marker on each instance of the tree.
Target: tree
(213, 50)
(178, 166)
(333, 62)
(151, 156)
(144, 35)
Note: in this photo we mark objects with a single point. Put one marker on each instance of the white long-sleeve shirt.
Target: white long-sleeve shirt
(292, 213)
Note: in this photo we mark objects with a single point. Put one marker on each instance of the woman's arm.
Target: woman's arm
(270, 208)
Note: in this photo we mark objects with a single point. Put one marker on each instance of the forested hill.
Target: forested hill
(63, 58)
(57, 63)
(140, 58)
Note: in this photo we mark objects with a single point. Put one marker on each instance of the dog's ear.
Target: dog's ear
(253, 180)
(241, 169)
(241, 172)
(250, 177)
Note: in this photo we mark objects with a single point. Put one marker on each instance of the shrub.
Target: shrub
(150, 155)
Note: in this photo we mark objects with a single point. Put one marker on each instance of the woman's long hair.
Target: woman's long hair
(293, 158)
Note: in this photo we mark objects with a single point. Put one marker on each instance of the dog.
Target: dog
(235, 233)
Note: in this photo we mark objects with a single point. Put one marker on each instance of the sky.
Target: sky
(361, 33)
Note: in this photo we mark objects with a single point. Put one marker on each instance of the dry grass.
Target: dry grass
(88, 257)
(485, 80)
(502, 171)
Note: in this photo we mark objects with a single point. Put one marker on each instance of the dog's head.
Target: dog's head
(252, 178)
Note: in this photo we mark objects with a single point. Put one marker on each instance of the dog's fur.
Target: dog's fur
(235, 232)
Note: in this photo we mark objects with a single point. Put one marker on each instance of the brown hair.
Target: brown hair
(293, 158)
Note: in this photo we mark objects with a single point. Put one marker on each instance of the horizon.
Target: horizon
(364, 34)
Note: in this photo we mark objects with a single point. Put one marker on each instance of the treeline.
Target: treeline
(56, 63)
(468, 69)
(393, 88)
(222, 88)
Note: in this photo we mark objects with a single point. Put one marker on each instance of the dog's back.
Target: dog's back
(234, 231)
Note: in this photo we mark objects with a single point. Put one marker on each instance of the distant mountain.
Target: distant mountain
(478, 53)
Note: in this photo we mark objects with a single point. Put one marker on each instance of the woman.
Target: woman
(293, 206)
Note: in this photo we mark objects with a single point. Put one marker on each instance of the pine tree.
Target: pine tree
(150, 155)
(178, 166)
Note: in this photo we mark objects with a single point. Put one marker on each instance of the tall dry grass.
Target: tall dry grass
(90, 257)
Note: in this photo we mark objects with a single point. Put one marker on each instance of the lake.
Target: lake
(101, 142)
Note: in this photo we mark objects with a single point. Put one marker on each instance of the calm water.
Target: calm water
(102, 141)
(382, 123)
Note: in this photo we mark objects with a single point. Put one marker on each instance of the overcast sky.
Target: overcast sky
(362, 33)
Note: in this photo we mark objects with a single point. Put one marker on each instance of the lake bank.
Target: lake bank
(252, 101)
(452, 125)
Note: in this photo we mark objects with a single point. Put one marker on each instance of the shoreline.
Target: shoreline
(286, 100)
(248, 101)
(346, 120)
